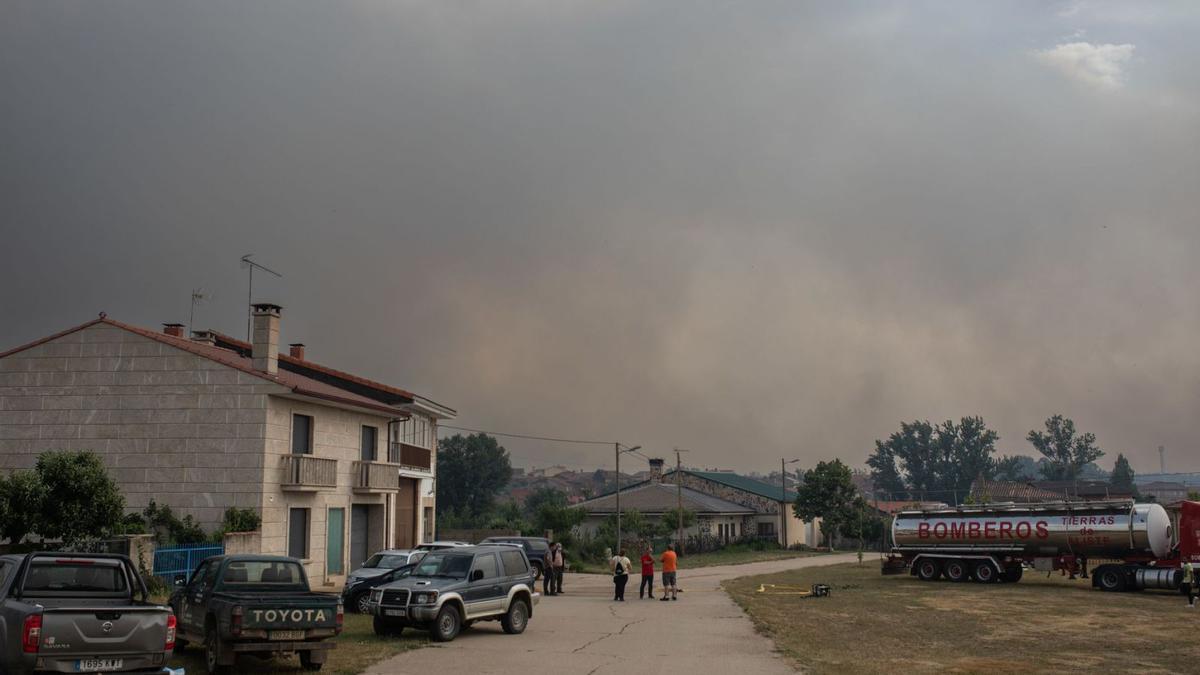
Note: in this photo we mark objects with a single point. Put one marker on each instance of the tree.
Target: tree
(1017, 468)
(670, 521)
(20, 505)
(1067, 452)
(472, 470)
(544, 496)
(827, 493)
(1122, 477)
(79, 499)
(923, 460)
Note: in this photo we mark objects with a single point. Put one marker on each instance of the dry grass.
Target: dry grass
(876, 624)
(357, 649)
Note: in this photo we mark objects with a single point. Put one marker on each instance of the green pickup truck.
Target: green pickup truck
(255, 604)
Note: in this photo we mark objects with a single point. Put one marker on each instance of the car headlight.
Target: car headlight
(427, 598)
(376, 596)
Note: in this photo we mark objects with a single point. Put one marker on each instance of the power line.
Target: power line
(525, 436)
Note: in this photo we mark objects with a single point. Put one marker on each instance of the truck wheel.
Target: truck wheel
(1013, 574)
(447, 624)
(984, 572)
(516, 618)
(307, 663)
(1109, 578)
(928, 570)
(386, 627)
(212, 653)
(537, 571)
(956, 570)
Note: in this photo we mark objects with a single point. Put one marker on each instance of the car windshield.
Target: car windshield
(449, 565)
(388, 562)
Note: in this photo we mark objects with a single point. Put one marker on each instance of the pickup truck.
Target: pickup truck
(452, 588)
(79, 613)
(255, 604)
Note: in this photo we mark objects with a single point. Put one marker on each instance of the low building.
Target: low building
(983, 491)
(1165, 492)
(769, 514)
(337, 465)
(715, 517)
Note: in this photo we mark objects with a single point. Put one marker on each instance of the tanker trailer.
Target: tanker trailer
(994, 542)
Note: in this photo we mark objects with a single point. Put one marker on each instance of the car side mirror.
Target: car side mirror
(476, 575)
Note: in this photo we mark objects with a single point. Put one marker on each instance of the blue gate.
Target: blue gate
(179, 561)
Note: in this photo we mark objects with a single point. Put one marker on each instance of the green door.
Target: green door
(335, 544)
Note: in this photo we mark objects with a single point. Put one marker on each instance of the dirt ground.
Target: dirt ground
(871, 623)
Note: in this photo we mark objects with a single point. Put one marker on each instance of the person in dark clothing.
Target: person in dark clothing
(620, 570)
(548, 572)
(558, 563)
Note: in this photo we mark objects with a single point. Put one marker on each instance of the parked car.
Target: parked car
(80, 612)
(453, 588)
(259, 604)
(535, 550)
(382, 568)
(437, 545)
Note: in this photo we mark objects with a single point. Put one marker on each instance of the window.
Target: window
(75, 576)
(302, 426)
(427, 530)
(415, 431)
(298, 533)
(766, 529)
(262, 572)
(514, 563)
(370, 436)
(4, 570)
(487, 563)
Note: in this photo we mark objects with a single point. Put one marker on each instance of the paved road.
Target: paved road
(583, 632)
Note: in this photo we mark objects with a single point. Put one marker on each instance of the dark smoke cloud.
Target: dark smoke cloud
(747, 230)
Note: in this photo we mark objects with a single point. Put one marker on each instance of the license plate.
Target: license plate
(394, 612)
(286, 635)
(96, 665)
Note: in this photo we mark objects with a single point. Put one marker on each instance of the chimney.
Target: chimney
(656, 467)
(296, 350)
(173, 329)
(1162, 459)
(204, 337)
(264, 351)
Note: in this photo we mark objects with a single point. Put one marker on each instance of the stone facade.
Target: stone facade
(200, 435)
(799, 532)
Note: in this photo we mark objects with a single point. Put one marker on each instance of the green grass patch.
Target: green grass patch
(358, 648)
(876, 624)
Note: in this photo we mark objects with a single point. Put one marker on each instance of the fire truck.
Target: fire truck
(1132, 546)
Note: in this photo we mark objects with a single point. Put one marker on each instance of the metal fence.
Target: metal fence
(179, 561)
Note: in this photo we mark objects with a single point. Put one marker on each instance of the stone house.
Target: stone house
(715, 517)
(337, 465)
(749, 508)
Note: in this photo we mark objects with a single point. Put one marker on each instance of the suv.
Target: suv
(535, 550)
(437, 545)
(452, 588)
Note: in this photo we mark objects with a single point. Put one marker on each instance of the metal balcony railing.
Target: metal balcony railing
(376, 476)
(305, 472)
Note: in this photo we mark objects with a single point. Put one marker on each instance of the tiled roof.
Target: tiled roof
(298, 383)
(654, 498)
(1010, 491)
(891, 507)
(743, 483)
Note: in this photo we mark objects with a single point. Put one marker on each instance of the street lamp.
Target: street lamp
(617, 451)
(783, 498)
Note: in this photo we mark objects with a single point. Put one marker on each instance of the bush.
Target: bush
(167, 528)
(79, 500)
(238, 520)
(20, 504)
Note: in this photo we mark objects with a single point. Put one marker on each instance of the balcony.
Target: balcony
(410, 457)
(306, 473)
(376, 477)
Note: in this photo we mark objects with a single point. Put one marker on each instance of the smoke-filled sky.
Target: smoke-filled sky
(751, 230)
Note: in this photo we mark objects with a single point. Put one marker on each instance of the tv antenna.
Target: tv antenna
(198, 296)
(250, 290)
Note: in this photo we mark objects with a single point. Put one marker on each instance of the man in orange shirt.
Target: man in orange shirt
(668, 574)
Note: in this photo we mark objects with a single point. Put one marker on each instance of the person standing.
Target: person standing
(559, 565)
(548, 571)
(646, 589)
(1188, 587)
(668, 572)
(620, 571)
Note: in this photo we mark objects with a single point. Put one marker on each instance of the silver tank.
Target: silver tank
(1091, 529)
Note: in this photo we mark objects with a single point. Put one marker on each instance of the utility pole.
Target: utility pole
(617, 452)
(679, 501)
(783, 499)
